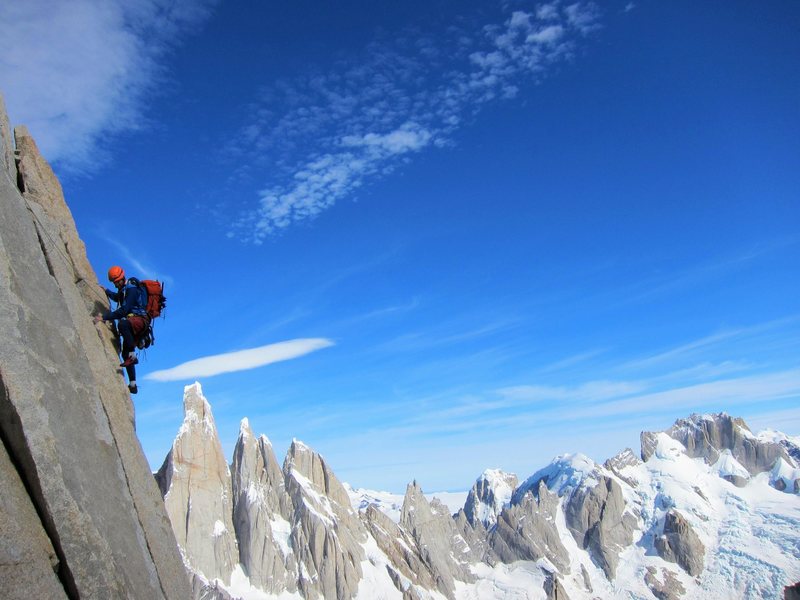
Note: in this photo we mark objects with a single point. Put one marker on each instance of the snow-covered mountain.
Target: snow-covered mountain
(710, 510)
(392, 504)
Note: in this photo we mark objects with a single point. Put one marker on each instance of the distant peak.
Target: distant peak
(194, 387)
(300, 446)
(496, 475)
(196, 409)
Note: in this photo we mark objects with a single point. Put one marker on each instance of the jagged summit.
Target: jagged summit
(197, 411)
(706, 436)
(672, 526)
(564, 473)
(196, 484)
(489, 495)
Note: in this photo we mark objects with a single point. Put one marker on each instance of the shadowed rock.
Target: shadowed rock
(553, 588)
(619, 463)
(27, 559)
(490, 493)
(596, 517)
(680, 544)
(668, 587)
(707, 436)
(262, 514)
(527, 530)
(438, 542)
(327, 535)
(400, 549)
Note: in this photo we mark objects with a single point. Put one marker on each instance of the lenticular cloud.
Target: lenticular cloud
(240, 360)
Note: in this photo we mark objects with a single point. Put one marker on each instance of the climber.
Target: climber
(131, 316)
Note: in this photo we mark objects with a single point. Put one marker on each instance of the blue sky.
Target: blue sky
(453, 235)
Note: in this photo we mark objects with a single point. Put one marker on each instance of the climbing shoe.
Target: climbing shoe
(130, 361)
(133, 388)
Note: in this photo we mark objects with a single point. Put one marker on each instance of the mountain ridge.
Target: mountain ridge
(663, 527)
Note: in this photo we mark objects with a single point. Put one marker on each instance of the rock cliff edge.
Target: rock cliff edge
(80, 515)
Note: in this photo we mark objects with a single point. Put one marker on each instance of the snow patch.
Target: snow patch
(728, 466)
(241, 587)
(522, 579)
(219, 528)
(376, 582)
(668, 448)
(281, 534)
(784, 476)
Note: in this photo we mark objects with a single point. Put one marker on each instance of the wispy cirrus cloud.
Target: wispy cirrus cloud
(89, 80)
(240, 360)
(760, 335)
(365, 121)
(141, 269)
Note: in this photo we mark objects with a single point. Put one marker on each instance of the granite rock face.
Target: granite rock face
(596, 516)
(618, 463)
(27, 559)
(409, 571)
(553, 588)
(93, 512)
(7, 162)
(196, 484)
(437, 541)
(667, 587)
(527, 530)
(262, 514)
(326, 535)
(680, 544)
(707, 436)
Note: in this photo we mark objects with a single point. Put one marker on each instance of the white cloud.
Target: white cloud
(696, 347)
(587, 392)
(547, 12)
(546, 35)
(404, 139)
(77, 72)
(714, 395)
(364, 121)
(241, 360)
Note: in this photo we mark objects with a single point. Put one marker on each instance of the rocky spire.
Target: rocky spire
(196, 485)
(327, 535)
(436, 536)
(262, 514)
(7, 163)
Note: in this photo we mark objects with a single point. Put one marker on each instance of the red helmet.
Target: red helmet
(116, 274)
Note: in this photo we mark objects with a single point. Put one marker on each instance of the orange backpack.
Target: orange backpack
(156, 300)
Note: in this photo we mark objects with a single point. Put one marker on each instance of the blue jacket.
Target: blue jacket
(132, 300)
